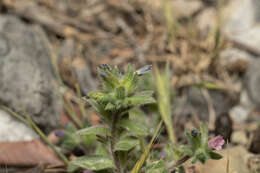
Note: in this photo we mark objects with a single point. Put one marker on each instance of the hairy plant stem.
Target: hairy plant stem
(179, 162)
(115, 157)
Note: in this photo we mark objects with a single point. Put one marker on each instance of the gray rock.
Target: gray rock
(239, 114)
(235, 60)
(83, 73)
(12, 130)
(242, 27)
(252, 82)
(195, 102)
(185, 8)
(26, 72)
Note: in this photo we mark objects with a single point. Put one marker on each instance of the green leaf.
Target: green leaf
(110, 107)
(70, 127)
(109, 80)
(126, 144)
(98, 108)
(94, 104)
(130, 80)
(98, 95)
(141, 98)
(94, 130)
(134, 127)
(89, 140)
(72, 168)
(120, 92)
(94, 163)
(156, 167)
(201, 157)
(215, 156)
(101, 149)
(194, 141)
(70, 140)
(187, 151)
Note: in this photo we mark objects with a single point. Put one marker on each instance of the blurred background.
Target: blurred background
(50, 49)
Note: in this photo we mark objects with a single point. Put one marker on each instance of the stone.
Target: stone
(185, 8)
(255, 142)
(239, 137)
(252, 82)
(83, 74)
(235, 60)
(26, 83)
(221, 102)
(254, 163)
(13, 130)
(238, 158)
(239, 114)
(206, 21)
(242, 25)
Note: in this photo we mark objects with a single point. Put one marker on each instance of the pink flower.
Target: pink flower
(216, 143)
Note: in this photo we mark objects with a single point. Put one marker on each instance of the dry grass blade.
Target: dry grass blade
(145, 155)
(164, 101)
(228, 161)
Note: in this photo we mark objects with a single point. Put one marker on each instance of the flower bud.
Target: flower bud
(144, 69)
(59, 133)
(194, 133)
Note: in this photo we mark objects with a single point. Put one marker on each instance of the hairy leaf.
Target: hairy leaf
(98, 95)
(110, 107)
(126, 144)
(141, 98)
(95, 162)
(215, 156)
(94, 130)
(156, 167)
(134, 127)
(120, 92)
(130, 80)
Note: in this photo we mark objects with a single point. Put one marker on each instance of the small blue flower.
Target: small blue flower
(144, 69)
(102, 75)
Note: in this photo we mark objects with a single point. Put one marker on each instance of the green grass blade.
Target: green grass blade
(164, 100)
(30, 123)
(45, 139)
